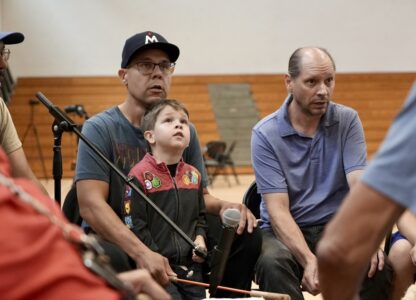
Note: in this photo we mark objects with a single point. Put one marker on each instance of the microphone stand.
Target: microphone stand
(64, 123)
(221, 252)
(58, 129)
(219, 260)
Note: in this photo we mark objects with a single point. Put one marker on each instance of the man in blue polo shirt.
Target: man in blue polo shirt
(306, 156)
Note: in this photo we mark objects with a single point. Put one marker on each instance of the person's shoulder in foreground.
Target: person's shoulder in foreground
(9, 139)
(37, 269)
(375, 203)
(392, 171)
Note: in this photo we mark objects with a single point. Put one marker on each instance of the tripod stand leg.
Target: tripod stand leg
(32, 126)
(29, 126)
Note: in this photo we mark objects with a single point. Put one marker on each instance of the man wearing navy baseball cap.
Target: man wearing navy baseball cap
(147, 64)
(9, 140)
(9, 38)
(147, 40)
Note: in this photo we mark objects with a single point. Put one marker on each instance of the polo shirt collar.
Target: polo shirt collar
(330, 118)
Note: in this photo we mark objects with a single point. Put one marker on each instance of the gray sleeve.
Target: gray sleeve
(89, 165)
(393, 170)
(193, 155)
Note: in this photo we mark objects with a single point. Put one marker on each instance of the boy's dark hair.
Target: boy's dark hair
(150, 116)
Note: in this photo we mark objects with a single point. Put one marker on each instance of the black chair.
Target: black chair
(70, 208)
(252, 199)
(217, 158)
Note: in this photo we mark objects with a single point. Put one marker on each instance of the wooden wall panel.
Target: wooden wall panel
(376, 97)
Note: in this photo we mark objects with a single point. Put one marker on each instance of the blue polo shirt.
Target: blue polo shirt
(312, 170)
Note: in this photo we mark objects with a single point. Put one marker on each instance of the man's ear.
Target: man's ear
(122, 74)
(288, 83)
(148, 135)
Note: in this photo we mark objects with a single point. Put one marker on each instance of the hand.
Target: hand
(310, 280)
(157, 265)
(200, 243)
(247, 217)
(141, 282)
(376, 263)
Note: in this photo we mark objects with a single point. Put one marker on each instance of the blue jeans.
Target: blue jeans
(278, 271)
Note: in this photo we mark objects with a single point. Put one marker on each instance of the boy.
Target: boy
(176, 188)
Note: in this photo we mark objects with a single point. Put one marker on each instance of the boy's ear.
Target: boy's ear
(148, 135)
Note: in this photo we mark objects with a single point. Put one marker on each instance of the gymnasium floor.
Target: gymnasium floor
(221, 189)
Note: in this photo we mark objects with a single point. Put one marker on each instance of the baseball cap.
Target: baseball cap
(9, 38)
(147, 40)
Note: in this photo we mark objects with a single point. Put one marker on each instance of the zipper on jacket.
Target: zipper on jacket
(177, 245)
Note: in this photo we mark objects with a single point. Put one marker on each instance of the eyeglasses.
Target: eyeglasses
(147, 67)
(5, 54)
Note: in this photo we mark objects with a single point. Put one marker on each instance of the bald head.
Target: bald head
(303, 55)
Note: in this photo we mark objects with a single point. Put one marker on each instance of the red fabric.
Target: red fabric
(36, 262)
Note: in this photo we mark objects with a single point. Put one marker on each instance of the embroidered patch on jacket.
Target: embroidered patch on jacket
(128, 221)
(128, 192)
(148, 184)
(148, 176)
(195, 177)
(127, 206)
(151, 181)
(190, 177)
(156, 182)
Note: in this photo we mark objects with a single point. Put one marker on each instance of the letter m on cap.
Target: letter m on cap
(151, 39)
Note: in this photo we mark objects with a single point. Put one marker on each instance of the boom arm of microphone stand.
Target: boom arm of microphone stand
(69, 125)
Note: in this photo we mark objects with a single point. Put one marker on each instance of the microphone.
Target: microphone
(230, 221)
(78, 109)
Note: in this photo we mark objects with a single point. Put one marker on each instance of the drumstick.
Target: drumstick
(265, 295)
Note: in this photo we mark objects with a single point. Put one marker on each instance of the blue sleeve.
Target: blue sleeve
(193, 155)
(355, 149)
(269, 175)
(392, 172)
(89, 165)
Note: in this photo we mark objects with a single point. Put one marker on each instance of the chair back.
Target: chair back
(252, 199)
(217, 158)
(70, 207)
(216, 149)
